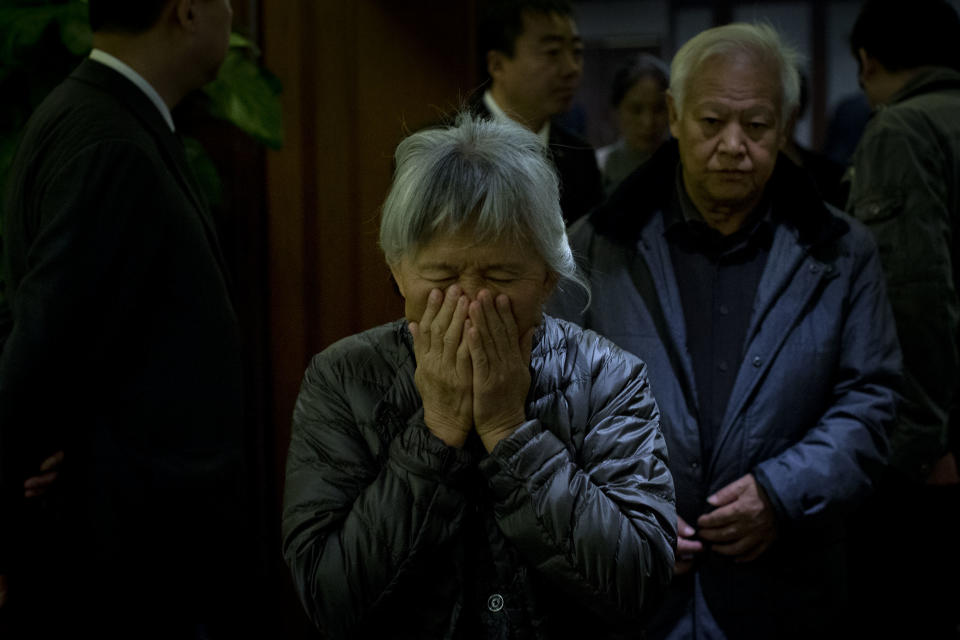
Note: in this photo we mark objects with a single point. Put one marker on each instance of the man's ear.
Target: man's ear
(868, 64)
(673, 115)
(184, 13)
(495, 60)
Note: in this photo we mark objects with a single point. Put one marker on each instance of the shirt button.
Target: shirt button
(724, 310)
(757, 361)
(722, 366)
(814, 268)
(495, 602)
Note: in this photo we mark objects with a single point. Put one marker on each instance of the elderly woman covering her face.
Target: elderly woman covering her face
(477, 470)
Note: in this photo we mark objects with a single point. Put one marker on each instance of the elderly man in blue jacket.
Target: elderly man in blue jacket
(762, 315)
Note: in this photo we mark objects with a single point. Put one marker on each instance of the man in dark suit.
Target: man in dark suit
(534, 58)
(124, 351)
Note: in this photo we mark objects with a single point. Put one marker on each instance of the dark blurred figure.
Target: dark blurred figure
(826, 174)
(122, 371)
(574, 120)
(534, 58)
(906, 188)
(639, 97)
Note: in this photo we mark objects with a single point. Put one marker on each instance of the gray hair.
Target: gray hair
(492, 177)
(760, 41)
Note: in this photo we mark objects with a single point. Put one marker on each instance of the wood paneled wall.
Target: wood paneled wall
(356, 75)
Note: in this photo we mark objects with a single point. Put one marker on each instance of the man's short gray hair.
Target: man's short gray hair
(760, 41)
(494, 178)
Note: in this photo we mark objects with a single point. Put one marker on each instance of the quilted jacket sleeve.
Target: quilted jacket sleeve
(353, 525)
(598, 518)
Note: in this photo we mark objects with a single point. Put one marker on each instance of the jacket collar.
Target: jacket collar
(794, 199)
(122, 89)
(928, 81)
(557, 135)
(137, 103)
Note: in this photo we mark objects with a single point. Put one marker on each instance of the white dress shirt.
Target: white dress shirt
(501, 115)
(124, 69)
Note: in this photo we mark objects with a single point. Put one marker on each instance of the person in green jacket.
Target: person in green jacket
(905, 187)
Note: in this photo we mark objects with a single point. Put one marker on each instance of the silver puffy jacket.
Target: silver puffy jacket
(567, 529)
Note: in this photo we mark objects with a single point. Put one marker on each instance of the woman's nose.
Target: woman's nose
(473, 286)
(469, 287)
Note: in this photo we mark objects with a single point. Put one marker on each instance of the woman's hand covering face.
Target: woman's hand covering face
(444, 375)
(501, 367)
(473, 306)
(473, 368)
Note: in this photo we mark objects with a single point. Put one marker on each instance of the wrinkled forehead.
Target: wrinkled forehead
(739, 73)
(740, 59)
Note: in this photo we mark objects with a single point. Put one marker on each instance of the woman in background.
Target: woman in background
(639, 98)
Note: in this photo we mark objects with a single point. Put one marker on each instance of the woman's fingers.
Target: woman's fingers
(441, 321)
(453, 336)
(479, 358)
(443, 373)
(490, 326)
(434, 300)
(492, 333)
(507, 336)
(420, 329)
(464, 356)
(440, 329)
(497, 331)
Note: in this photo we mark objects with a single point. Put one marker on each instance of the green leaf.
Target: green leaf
(246, 94)
(75, 30)
(238, 41)
(23, 30)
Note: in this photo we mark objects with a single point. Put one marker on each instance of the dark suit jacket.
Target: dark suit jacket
(124, 352)
(581, 186)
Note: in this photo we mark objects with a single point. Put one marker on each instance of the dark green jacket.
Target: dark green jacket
(905, 188)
